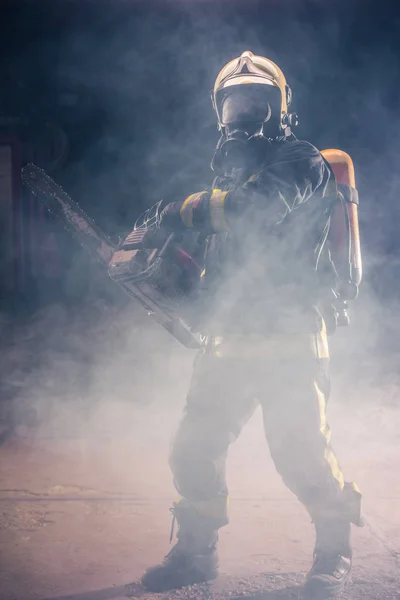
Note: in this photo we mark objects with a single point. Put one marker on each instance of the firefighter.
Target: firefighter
(266, 221)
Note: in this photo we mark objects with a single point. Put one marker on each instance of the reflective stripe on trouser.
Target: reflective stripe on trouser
(293, 391)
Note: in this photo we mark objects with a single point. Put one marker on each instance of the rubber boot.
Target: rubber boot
(193, 559)
(332, 560)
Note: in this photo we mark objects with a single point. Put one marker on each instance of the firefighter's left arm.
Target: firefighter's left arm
(295, 180)
(286, 183)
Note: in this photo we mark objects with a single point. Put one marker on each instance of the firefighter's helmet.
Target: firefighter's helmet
(253, 87)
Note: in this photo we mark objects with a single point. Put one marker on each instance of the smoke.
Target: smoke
(146, 129)
(81, 369)
(101, 371)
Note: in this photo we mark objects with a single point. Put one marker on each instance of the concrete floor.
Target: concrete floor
(83, 516)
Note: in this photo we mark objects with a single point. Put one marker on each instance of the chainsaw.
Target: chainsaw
(152, 266)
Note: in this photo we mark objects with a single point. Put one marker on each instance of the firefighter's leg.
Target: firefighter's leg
(218, 405)
(299, 439)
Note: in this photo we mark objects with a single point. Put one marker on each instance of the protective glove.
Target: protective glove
(170, 217)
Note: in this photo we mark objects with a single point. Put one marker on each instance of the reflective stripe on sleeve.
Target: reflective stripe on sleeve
(217, 214)
(187, 207)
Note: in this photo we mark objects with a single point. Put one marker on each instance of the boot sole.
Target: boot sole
(165, 586)
(319, 590)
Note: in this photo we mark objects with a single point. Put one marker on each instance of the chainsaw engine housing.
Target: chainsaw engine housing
(156, 265)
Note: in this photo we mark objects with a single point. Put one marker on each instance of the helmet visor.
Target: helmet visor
(250, 103)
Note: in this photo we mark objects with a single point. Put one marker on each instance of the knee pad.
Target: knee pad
(196, 477)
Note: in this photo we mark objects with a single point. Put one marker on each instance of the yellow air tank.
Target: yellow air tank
(344, 235)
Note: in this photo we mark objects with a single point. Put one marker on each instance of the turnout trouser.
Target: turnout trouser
(288, 376)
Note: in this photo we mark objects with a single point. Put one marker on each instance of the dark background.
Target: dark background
(129, 83)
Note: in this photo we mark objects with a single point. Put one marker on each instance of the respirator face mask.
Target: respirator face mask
(248, 113)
